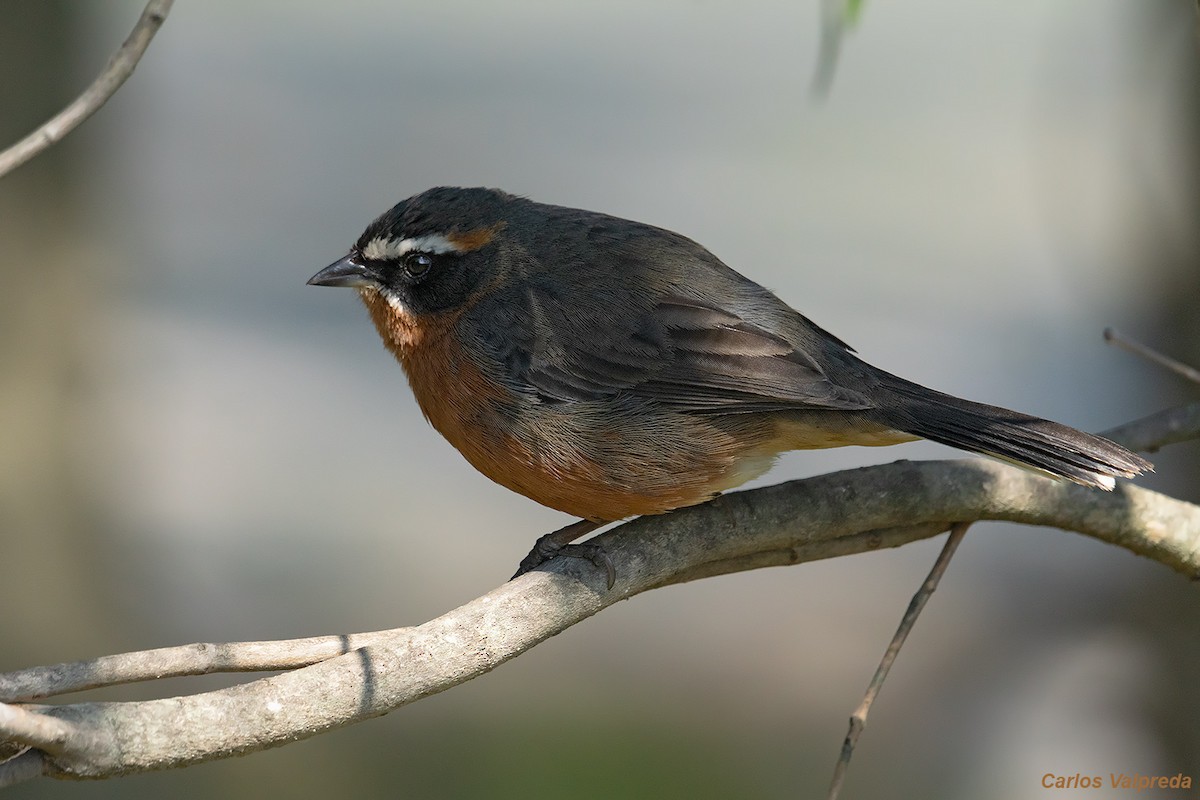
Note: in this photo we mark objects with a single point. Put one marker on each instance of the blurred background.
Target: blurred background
(195, 446)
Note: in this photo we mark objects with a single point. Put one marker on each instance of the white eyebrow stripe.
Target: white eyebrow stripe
(384, 249)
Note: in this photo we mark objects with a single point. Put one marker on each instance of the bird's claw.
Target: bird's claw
(546, 548)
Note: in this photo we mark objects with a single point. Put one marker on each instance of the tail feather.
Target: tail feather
(1011, 436)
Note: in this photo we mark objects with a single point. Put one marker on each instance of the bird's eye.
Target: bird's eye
(416, 264)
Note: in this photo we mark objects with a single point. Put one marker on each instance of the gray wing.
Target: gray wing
(681, 352)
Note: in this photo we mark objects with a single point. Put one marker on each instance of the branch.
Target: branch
(830, 515)
(1149, 434)
(27, 728)
(1131, 345)
(858, 720)
(118, 70)
(183, 661)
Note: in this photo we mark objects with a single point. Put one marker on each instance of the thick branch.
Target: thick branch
(117, 71)
(834, 514)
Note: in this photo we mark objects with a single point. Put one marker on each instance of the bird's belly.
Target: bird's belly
(606, 459)
(596, 460)
(617, 469)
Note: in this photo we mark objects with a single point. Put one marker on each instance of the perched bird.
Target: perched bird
(608, 368)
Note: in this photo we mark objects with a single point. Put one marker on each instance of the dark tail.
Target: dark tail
(990, 430)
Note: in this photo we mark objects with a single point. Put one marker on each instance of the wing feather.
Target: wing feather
(689, 355)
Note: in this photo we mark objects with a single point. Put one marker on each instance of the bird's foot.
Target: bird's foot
(558, 543)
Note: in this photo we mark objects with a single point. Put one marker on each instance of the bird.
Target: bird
(609, 368)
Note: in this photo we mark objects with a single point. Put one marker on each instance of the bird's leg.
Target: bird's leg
(558, 543)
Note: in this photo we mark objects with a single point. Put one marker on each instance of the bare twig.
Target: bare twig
(1150, 354)
(1148, 434)
(176, 662)
(118, 70)
(858, 719)
(24, 727)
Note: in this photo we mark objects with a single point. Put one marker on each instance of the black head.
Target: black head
(429, 252)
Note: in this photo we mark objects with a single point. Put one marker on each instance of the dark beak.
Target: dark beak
(345, 272)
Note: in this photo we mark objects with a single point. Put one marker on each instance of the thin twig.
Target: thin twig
(1150, 354)
(1149, 434)
(201, 658)
(118, 70)
(36, 730)
(859, 719)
